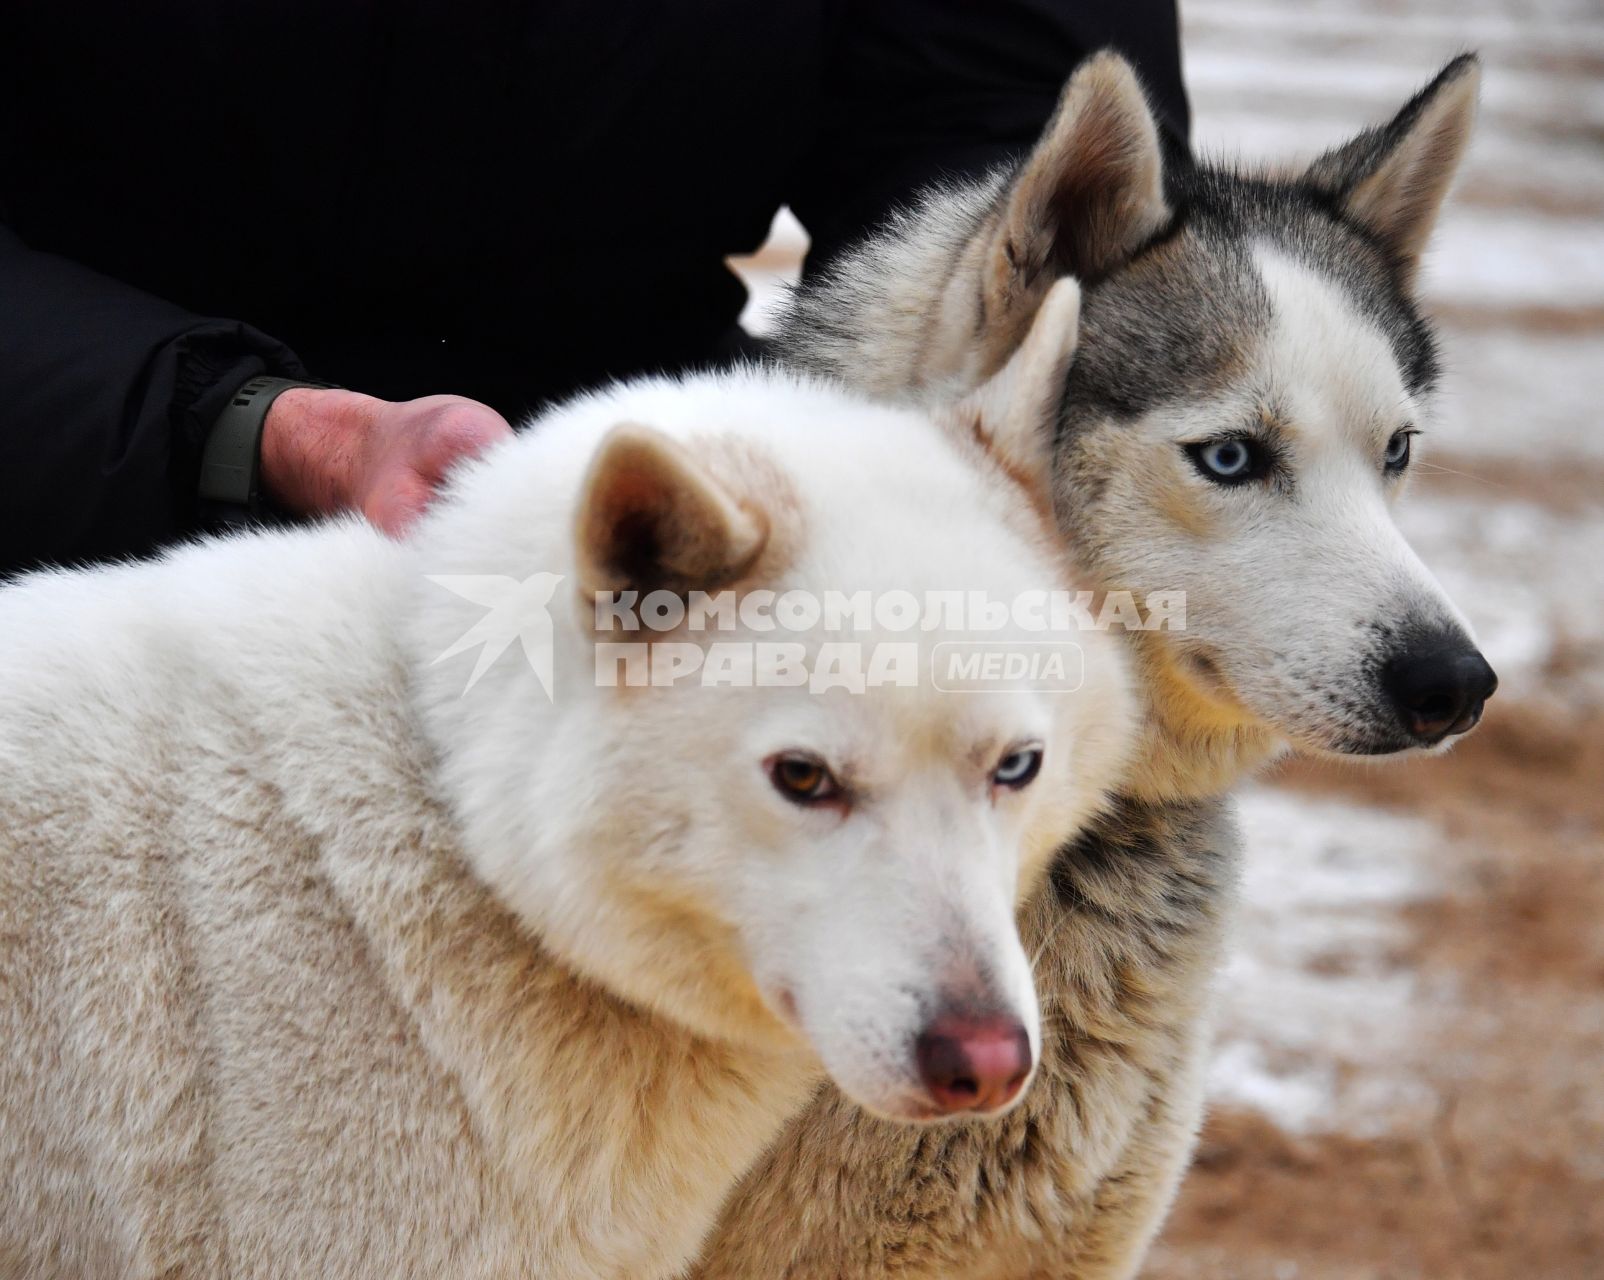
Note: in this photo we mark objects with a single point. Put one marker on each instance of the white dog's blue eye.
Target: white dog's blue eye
(1017, 768)
(1230, 460)
(1397, 456)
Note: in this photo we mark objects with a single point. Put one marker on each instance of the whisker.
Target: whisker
(1046, 942)
(1467, 475)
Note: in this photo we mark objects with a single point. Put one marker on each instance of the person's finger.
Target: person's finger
(413, 448)
(396, 505)
(460, 434)
(436, 464)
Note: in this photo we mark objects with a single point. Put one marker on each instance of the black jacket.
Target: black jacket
(502, 200)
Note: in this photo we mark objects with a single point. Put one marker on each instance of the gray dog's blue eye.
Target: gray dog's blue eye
(1230, 460)
(1017, 768)
(1397, 456)
(1227, 457)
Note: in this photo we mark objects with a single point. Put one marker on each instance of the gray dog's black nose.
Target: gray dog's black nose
(1439, 691)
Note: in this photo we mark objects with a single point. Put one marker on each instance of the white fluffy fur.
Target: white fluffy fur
(316, 966)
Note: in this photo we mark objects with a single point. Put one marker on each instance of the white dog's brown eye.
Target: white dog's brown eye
(1018, 768)
(1397, 456)
(802, 779)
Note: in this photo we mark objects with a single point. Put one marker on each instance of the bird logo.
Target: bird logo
(515, 611)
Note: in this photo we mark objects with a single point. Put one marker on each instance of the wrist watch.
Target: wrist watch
(231, 460)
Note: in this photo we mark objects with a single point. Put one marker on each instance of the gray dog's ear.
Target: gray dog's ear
(651, 517)
(1392, 179)
(1011, 415)
(1092, 191)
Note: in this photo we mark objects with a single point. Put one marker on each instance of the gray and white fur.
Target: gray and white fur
(1252, 370)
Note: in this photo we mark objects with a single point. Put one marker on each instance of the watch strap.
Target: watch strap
(231, 460)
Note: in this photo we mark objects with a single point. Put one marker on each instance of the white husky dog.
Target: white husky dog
(312, 964)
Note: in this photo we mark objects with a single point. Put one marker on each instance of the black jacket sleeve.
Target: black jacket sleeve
(107, 393)
(922, 91)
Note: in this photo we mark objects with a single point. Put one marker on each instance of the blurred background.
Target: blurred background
(1410, 1075)
(1409, 1079)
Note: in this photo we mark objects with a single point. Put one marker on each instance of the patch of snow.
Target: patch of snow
(1519, 395)
(1315, 1016)
(1299, 1099)
(1487, 258)
(1456, 26)
(1529, 579)
(1376, 84)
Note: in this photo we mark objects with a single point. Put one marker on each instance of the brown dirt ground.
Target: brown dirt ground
(1508, 1178)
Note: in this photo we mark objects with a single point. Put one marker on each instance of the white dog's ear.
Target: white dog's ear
(1092, 191)
(1392, 179)
(652, 517)
(1012, 414)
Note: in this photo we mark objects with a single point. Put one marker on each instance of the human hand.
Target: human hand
(327, 450)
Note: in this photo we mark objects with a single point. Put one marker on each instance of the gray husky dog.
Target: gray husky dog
(1252, 378)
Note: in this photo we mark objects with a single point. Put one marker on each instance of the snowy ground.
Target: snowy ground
(1410, 1074)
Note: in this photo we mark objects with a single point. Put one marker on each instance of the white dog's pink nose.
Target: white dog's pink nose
(973, 1064)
